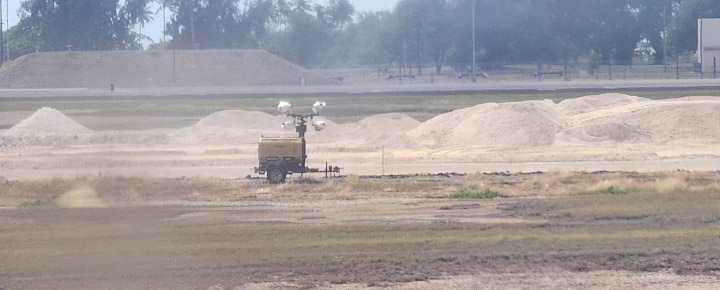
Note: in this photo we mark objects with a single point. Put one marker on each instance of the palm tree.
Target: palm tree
(138, 13)
(302, 6)
(341, 12)
(282, 8)
(163, 8)
(260, 13)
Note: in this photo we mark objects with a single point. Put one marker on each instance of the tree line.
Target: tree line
(419, 32)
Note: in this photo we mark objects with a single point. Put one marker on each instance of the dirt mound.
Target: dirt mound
(239, 126)
(99, 69)
(532, 123)
(240, 119)
(46, 122)
(46, 127)
(232, 126)
(587, 104)
(389, 130)
(606, 132)
(392, 123)
(677, 121)
(631, 120)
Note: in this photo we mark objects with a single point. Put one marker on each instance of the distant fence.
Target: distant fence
(572, 71)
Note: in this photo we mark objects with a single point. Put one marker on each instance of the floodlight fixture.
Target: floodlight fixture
(320, 125)
(285, 108)
(289, 125)
(318, 107)
(301, 121)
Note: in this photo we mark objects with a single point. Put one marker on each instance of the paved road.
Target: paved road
(443, 88)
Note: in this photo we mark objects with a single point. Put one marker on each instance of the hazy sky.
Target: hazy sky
(154, 29)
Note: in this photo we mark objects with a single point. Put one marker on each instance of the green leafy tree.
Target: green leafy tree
(308, 36)
(340, 12)
(654, 18)
(615, 30)
(552, 30)
(258, 16)
(25, 36)
(689, 12)
(367, 48)
(495, 30)
(83, 24)
(301, 6)
(208, 25)
(425, 27)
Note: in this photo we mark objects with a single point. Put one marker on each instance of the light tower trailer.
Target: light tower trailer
(279, 157)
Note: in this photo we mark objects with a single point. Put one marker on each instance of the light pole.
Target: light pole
(665, 36)
(677, 45)
(472, 66)
(2, 54)
(7, 17)
(164, 22)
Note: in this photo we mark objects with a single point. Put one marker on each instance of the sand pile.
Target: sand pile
(523, 124)
(47, 121)
(240, 119)
(619, 119)
(690, 120)
(46, 126)
(605, 132)
(636, 120)
(587, 104)
(334, 133)
(243, 127)
(135, 69)
(387, 130)
(232, 126)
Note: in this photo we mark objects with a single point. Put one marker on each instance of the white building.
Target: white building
(709, 44)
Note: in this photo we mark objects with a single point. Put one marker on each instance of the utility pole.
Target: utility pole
(405, 67)
(677, 46)
(192, 33)
(7, 14)
(472, 66)
(2, 54)
(164, 22)
(665, 40)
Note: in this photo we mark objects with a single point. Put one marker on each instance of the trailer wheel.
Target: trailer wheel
(276, 175)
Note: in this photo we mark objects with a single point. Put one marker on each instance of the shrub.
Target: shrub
(474, 194)
(609, 190)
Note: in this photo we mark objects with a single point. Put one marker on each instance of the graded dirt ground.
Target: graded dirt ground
(642, 240)
(591, 133)
(151, 193)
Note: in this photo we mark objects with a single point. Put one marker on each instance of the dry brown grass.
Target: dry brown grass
(566, 183)
(119, 190)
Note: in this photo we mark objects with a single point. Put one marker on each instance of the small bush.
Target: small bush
(609, 190)
(474, 194)
(49, 202)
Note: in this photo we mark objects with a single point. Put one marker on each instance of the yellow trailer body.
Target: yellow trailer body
(280, 149)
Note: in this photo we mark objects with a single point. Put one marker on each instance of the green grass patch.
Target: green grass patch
(47, 202)
(475, 194)
(612, 189)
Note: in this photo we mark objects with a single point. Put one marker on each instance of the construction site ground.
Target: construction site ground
(116, 203)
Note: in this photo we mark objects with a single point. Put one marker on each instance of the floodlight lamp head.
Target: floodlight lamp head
(285, 108)
(289, 125)
(318, 107)
(320, 125)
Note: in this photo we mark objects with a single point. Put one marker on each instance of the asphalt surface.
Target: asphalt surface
(425, 88)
